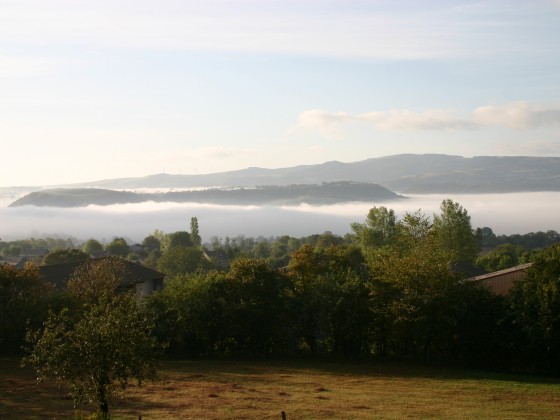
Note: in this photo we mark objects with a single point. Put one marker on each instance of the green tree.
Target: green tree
(195, 234)
(179, 260)
(64, 256)
(151, 243)
(190, 315)
(504, 256)
(12, 251)
(255, 297)
(99, 345)
(535, 303)
(262, 249)
(180, 238)
(454, 232)
(331, 300)
(24, 297)
(412, 291)
(117, 246)
(379, 229)
(92, 246)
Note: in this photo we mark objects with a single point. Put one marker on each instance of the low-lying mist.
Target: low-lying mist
(504, 213)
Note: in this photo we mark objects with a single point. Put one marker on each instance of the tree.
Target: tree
(331, 299)
(255, 305)
(379, 229)
(64, 256)
(195, 234)
(190, 315)
(504, 256)
(92, 246)
(413, 292)
(12, 251)
(117, 246)
(535, 303)
(454, 231)
(182, 260)
(100, 344)
(262, 249)
(151, 243)
(180, 238)
(24, 297)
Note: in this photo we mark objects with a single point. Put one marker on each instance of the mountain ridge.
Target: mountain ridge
(404, 173)
(324, 194)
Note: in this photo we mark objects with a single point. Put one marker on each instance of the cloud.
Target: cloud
(516, 116)
(435, 119)
(325, 122)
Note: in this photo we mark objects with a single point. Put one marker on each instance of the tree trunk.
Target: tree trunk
(102, 400)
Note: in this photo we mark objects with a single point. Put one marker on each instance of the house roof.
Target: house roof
(499, 273)
(59, 274)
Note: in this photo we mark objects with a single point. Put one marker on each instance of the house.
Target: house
(501, 282)
(143, 279)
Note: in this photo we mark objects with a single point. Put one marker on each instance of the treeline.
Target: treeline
(390, 289)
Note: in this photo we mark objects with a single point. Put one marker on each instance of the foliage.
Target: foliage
(24, 299)
(414, 281)
(101, 344)
(195, 234)
(535, 304)
(179, 260)
(502, 257)
(331, 299)
(255, 296)
(11, 251)
(454, 232)
(180, 238)
(92, 246)
(117, 246)
(223, 314)
(151, 243)
(96, 279)
(379, 229)
(64, 256)
(530, 241)
(189, 314)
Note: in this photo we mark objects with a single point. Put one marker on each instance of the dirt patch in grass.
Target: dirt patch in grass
(304, 390)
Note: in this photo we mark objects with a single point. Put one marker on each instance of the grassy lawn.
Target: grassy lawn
(304, 390)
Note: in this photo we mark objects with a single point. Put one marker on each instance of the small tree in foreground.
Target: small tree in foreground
(97, 348)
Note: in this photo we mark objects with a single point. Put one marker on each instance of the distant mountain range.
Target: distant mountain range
(326, 193)
(331, 182)
(406, 174)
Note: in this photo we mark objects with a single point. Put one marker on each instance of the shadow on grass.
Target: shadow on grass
(374, 368)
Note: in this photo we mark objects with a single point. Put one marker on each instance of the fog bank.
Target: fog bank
(504, 213)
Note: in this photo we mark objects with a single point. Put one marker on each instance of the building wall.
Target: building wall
(502, 281)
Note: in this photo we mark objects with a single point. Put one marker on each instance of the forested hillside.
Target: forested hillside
(326, 193)
(388, 289)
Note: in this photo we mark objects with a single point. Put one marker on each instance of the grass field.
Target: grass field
(304, 390)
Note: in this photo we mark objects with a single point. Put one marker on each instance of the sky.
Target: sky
(104, 89)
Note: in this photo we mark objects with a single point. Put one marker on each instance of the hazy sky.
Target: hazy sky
(112, 88)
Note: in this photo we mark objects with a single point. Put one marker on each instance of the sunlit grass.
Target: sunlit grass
(304, 390)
